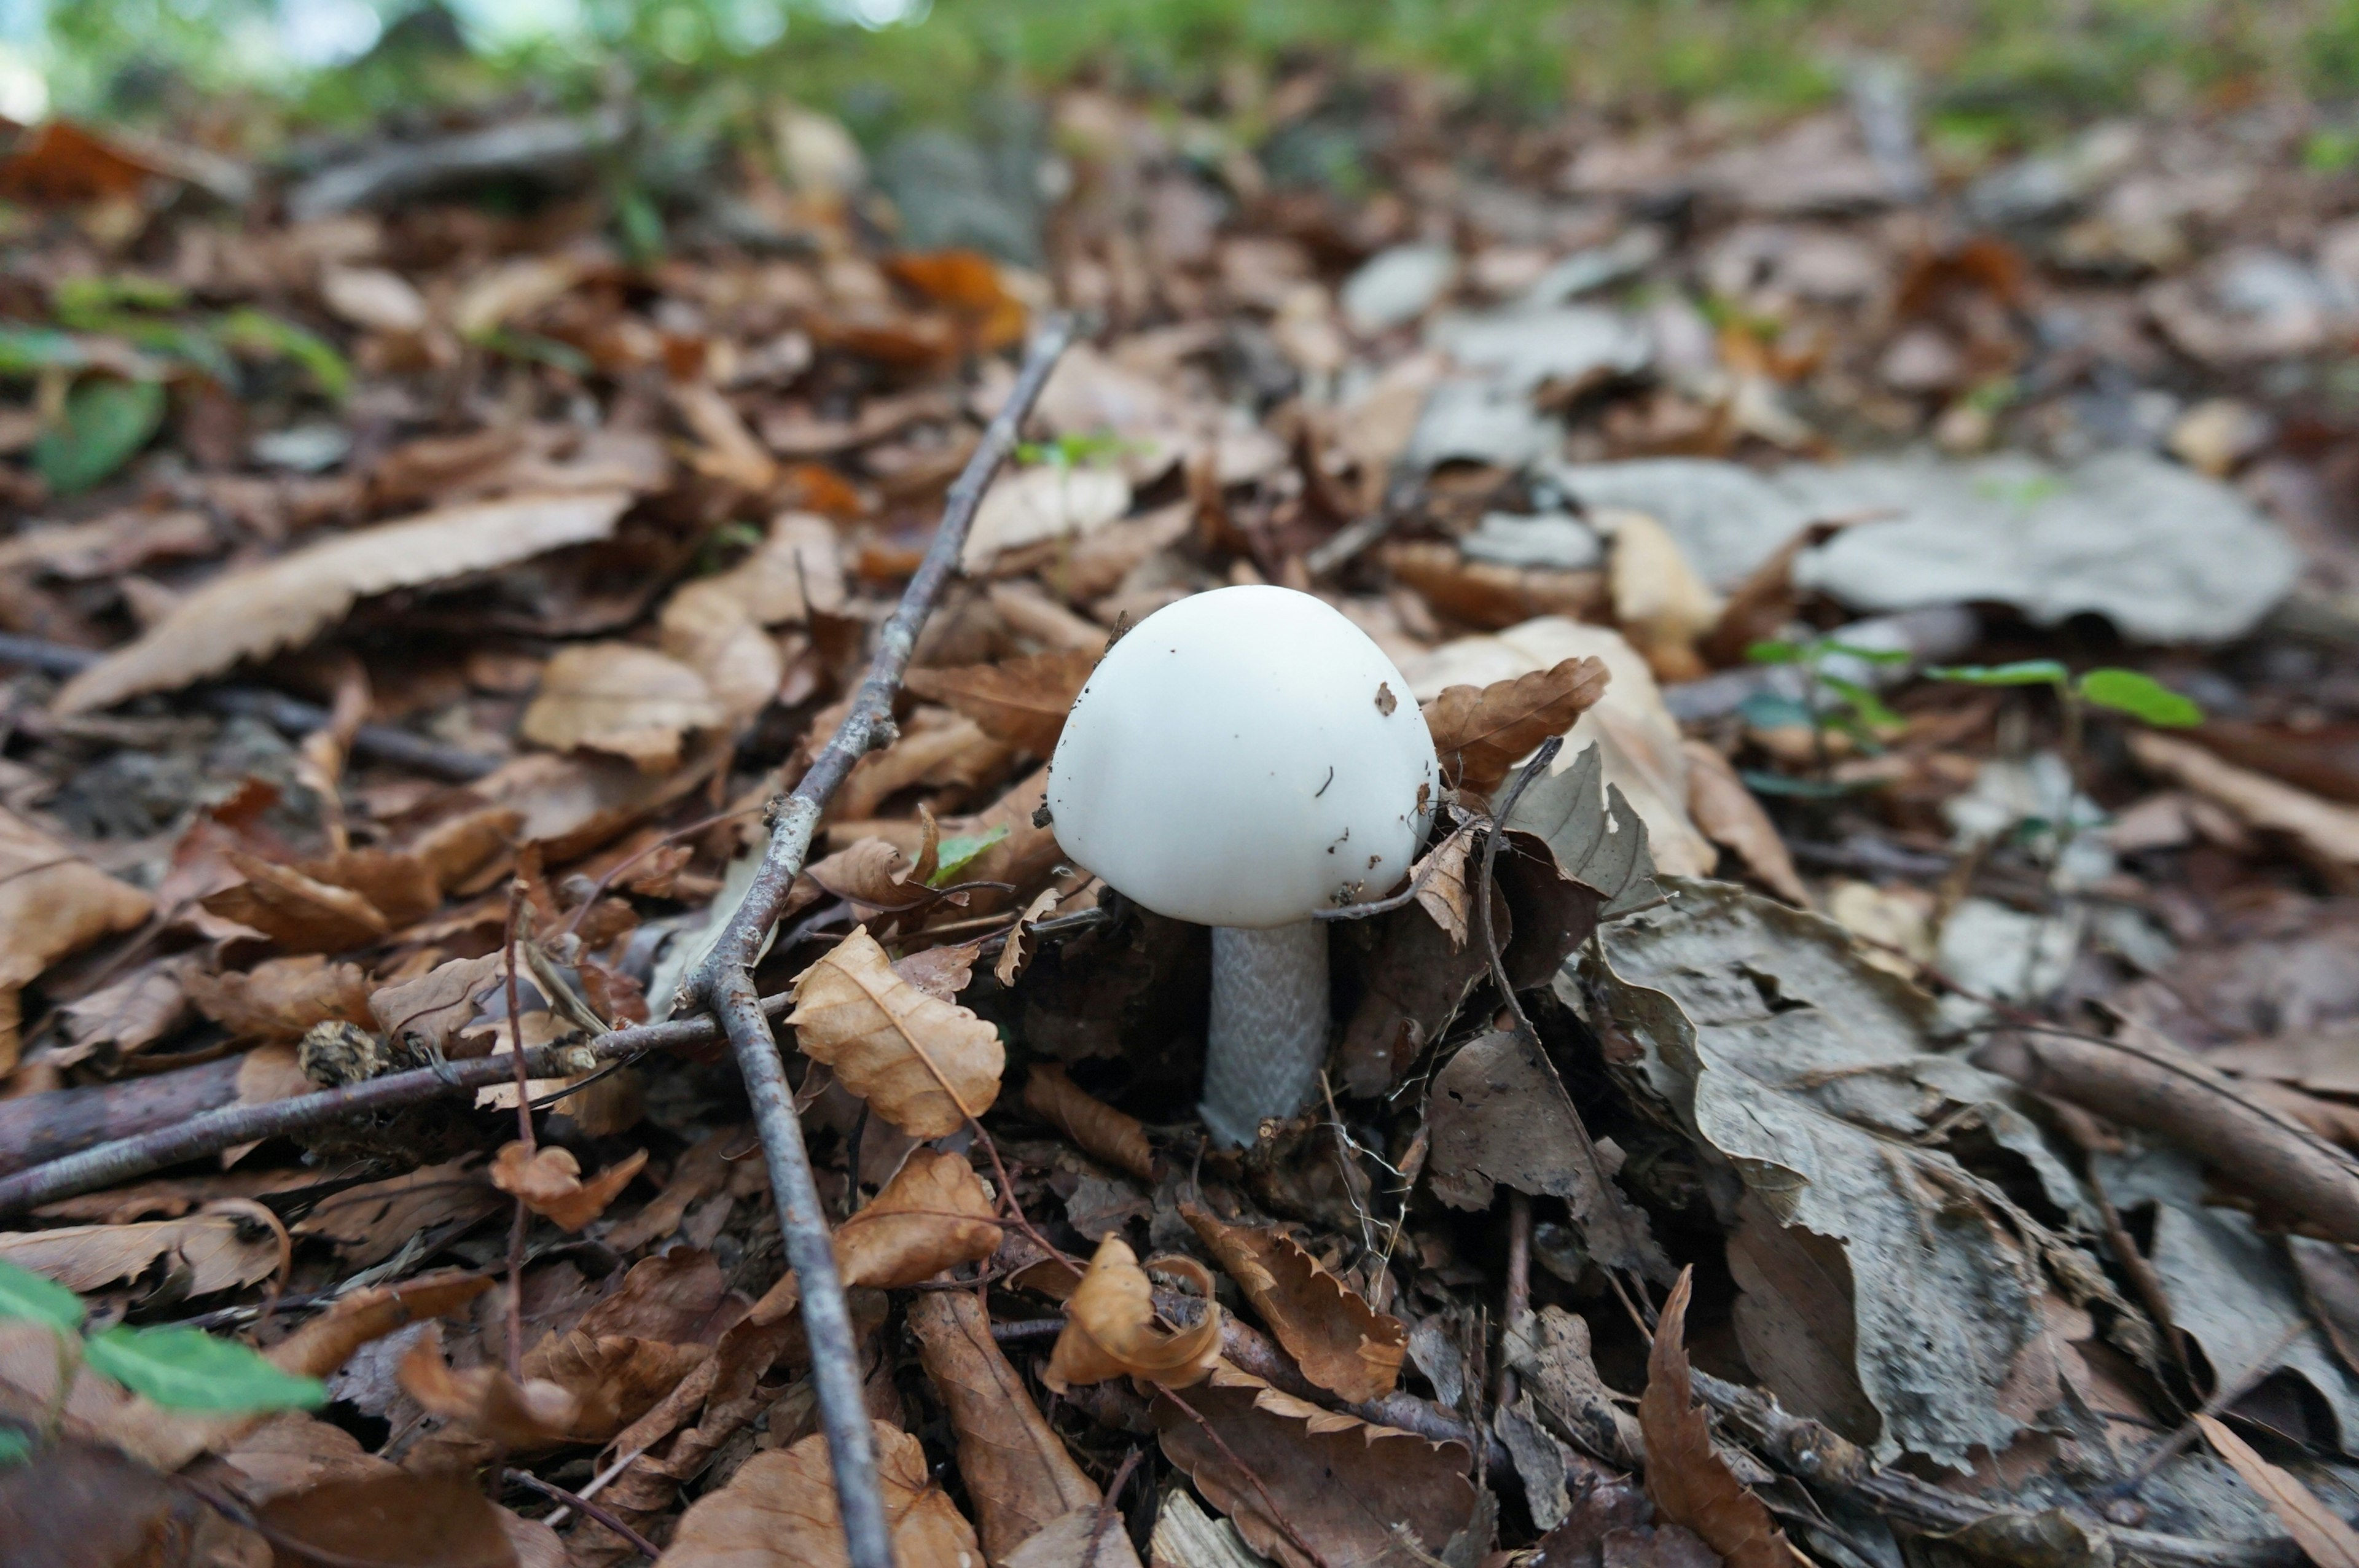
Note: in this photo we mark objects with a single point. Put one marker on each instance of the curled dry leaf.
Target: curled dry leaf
(435, 1006)
(300, 914)
(1689, 1482)
(1016, 953)
(485, 1400)
(200, 1253)
(1444, 893)
(1341, 1343)
(1341, 1486)
(547, 1180)
(1097, 1128)
(279, 999)
(941, 972)
(246, 614)
(52, 902)
(131, 1013)
(780, 1508)
(1021, 701)
(1482, 732)
(1110, 1329)
(2317, 1528)
(324, 1344)
(622, 698)
(875, 877)
(1015, 1465)
(924, 1064)
(1659, 602)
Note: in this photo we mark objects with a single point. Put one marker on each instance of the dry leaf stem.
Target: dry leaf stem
(591, 1510)
(722, 984)
(524, 1135)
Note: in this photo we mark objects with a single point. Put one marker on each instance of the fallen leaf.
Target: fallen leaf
(1480, 733)
(1110, 1329)
(1661, 603)
(59, 163)
(2317, 1528)
(1096, 1127)
(718, 625)
(1049, 500)
(875, 877)
(1340, 1485)
(402, 886)
(485, 1400)
(548, 1181)
(619, 697)
(1690, 1482)
(328, 1341)
(698, 1173)
(728, 450)
(1760, 608)
(1089, 1537)
(1021, 701)
(1487, 593)
(1015, 951)
(1729, 815)
(1417, 979)
(373, 297)
(391, 1520)
(923, 1064)
(1440, 881)
(297, 913)
(1013, 1463)
(611, 1380)
(52, 903)
(2325, 831)
(780, 1508)
(130, 1014)
(933, 1215)
(247, 614)
(201, 1253)
(83, 1505)
(279, 999)
(371, 1222)
(427, 1011)
(1342, 1344)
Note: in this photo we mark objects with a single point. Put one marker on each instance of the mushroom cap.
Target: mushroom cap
(1244, 758)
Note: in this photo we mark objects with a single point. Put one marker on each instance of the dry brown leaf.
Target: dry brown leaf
(279, 999)
(435, 1006)
(325, 1343)
(729, 451)
(1021, 701)
(937, 747)
(1096, 1127)
(941, 972)
(1051, 501)
(548, 1181)
(1341, 1343)
(52, 902)
(924, 1064)
(1480, 733)
(1443, 893)
(780, 1508)
(1729, 815)
(200, 1253)
(1015, 1465)
(300, 914)
(1341, 1486)
(1015, 952)
(933, 1215)
(247, 614)
(485, 1400)
(1689, 1482)
(399, 884)
(371, 1222)
(129, 1014)
(1488, 594)
(622, 698)
(612, 1379)
(1761, 607)
(875, 877)
(1659, 602)
(2318, 1529)
(2325, 831)
(392, 1519)
(272, 1071)
(1110, 1329)
(703, 1171)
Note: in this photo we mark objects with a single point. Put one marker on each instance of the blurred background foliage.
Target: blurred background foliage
(2000, 72)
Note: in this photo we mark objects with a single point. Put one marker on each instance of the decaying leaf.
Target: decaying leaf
(1021, 701)
(923, 1064)
(1015, 952)
(2318, 1529)
(371, 1222)
(933, 1215)
(1659, 602)
(1689, 1482)
(279, 999)
(52, 902)
(391, 1519)
(875, 877)
(1096, 1127)
(246, 614)
(1441, 890)
(1480, 733)
(622, 698)
(548, 1182)
(427, 1011)
(1729, 815)
(780, 1508)
(485, 1400)
(131, 1013)
(1110, 1329)
(1597, 838)
(1341, 1343)
(200, 1253)
(298, 913)
(1051, 501)
(1339, 1485)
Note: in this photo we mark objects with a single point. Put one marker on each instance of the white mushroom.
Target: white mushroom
(1243, 758)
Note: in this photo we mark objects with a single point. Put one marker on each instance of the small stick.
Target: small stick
(1519, 1288)
(1106, 1510)
(1276, 1514)
(2263, 1365)
(522, 1220)
(590, 1510)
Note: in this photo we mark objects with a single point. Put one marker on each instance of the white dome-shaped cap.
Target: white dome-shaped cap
(1244, 758)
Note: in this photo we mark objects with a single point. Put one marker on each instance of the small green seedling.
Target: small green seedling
(1070, 452)
(2141, 697)
(1830, 702)
(953, 855)
(176, 1366)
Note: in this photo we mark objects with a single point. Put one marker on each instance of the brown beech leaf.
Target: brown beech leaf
(2317, 1528)
(622, 698)
(1096, 1128)
(548, 1182)
(52, 902)
(392, 1519)
(83, 1505)
(1482, 732)
(1110, 1329)
(200, 1253)
(300, 914)
(780, 1508)
(435, 1006)
(279, 999)
(371, 1222)
(924, 1064)
(1021, 701)
(400, 885)
(131, 1013)
(1689, 1482)
(1341, 1486)
(933, 1215)
(1015, 1465)
(873, 876)
(941, 972)
(324, 1344)
(485, 1400)
(1730, 816)
(1445, 895)
(1341, 1343)
(1016, 953)
(285, 601)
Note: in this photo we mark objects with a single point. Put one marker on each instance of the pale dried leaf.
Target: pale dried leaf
(1089, 1537)
(201, 1252)
(52, 902)
(1480, 733)
(1096, 1127)
(780, 1508)
(1110, 1329)
(1729, 815)
(485, 1400)
(1341, 1343)
(374, 297)
(435, 1006)
(874, 876)
(279, 999)
(1016, 953)
(941, 972)
(1690, 1482)
(619, 697)
(1021, 701)
(131, 1013)
(280, 603)
(2324, 831)
(548, 1181)
(1443, 893)
(923, 1064)
(932, 1215)
(1051, 501)
(2318, 1529)
(1659, 601)
(300, 914)
(371, 1222)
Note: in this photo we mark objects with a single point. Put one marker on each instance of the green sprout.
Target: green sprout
(1830, 702)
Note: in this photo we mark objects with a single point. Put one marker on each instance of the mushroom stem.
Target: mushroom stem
(1268, 1034)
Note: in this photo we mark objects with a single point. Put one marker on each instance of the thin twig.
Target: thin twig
(723, 983)
(591, 1510)
(1106, 1510)
(2230, 1392)
(1417, 883)
(523, 1219)
(1276, 1514)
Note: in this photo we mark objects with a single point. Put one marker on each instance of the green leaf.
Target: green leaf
(1761, 783)
(186, 1368)
(29, 1298)
(107, 420)
(642, 226)
(1778, 651)
(1768, 710)
(15, 1447)
(82, 301)
(1865, 706)
(1885, 657)
(259, 332)
(28, 351)
(2141, 697)
(2025, 672)
(952, 856)
(550, 351)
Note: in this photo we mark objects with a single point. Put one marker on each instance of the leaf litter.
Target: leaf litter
(1645, 1214)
